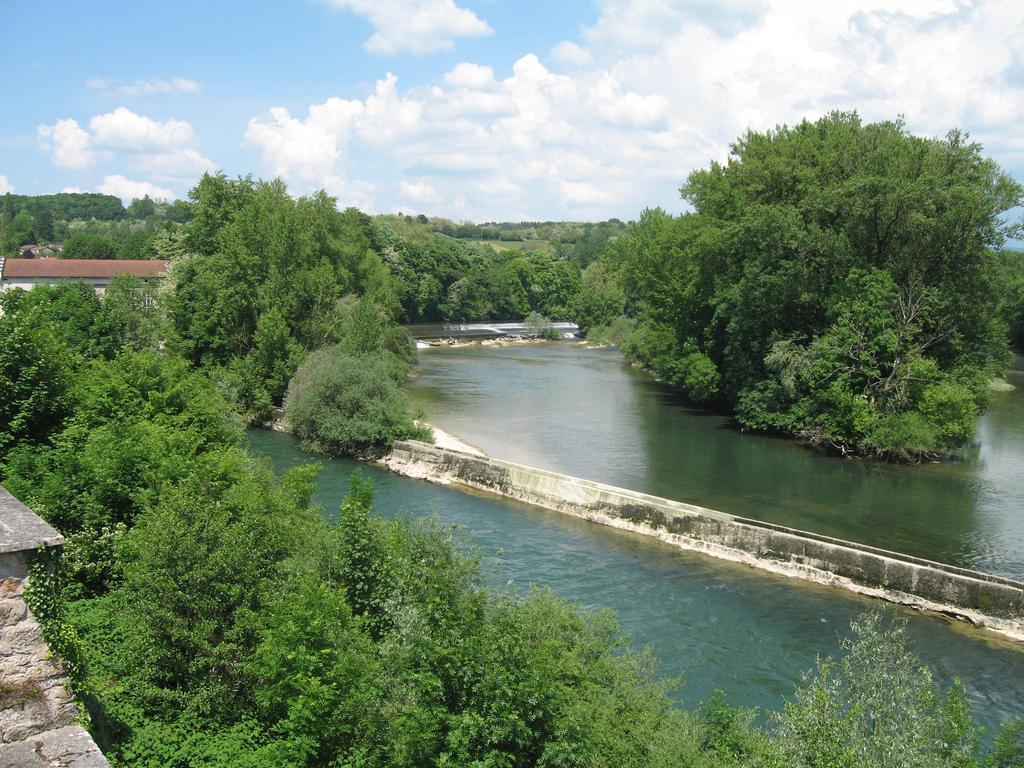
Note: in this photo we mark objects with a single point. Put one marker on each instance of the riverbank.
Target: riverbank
(442, 439)
(981, 599)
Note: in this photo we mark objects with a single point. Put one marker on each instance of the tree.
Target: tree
(876, 707)
(34, 380)
(142, 208)
(601, 298)
(43, 222)
(21, 230)
(345, 404)
(835, 282)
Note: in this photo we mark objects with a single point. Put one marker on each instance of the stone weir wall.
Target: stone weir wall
(989, 601)
(37, 710)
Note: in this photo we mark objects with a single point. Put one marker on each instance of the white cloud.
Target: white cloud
(175, 85)
(123, 129)
(417, 26)
(569, 54)
(469, 75)
(68, 144)
(309, 152)
(419, 192)
(5, 185)
(187, 164)
(129, 190)
(655, 88)
(73, 190)
(166, 151)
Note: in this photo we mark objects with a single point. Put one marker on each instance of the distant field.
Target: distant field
(527, 246)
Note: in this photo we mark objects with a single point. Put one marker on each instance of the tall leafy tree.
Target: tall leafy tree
(836, 281)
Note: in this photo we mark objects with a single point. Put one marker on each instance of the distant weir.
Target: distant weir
(482, 330)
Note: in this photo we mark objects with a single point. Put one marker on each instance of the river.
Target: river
(584, 412)
(713, 623)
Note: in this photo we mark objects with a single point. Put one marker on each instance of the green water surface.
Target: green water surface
(586, 413)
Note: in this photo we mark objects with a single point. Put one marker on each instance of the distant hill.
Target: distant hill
(69, 206)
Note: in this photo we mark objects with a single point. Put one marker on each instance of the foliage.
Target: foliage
(875, 707)
(44, 596)
(263, 279)
(342, 403)
(601, 298)
(1009, 266)
(137, 420)
(34, 382)
(615, 334)
(837, 282)
(438, 277)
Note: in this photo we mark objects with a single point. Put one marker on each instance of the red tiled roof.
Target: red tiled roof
(73, 269)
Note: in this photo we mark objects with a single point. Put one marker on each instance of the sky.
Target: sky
(480, 110)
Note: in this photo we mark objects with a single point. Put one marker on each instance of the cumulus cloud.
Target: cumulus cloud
(535, 130)
(417, 26)
(73, 190)
(129, 190)
(124, 129)
(164, 150)
(5, 185)
(570, 54)
(310, 152)
(615, 120)
(175, 85)
(418, 192)
(68, 144)
(471, 76)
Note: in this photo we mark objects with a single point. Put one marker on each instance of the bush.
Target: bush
(876, 707)
(951, 408)
(615, 334)
(699, 377)
(344, 404)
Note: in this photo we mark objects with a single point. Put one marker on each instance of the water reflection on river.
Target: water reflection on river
(586, 413)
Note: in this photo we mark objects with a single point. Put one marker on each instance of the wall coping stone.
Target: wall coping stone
(22, 529)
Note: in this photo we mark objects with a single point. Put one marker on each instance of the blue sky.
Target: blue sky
(478, 109)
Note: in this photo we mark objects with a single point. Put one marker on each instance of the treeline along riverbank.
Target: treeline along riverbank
(208, 612)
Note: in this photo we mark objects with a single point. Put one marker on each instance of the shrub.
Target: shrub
(344, 404)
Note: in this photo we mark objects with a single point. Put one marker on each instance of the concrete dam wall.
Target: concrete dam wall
(982, 599)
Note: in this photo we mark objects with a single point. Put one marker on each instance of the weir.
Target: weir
(481, 330)
(982, 599)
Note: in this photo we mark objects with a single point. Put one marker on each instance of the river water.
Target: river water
(584, 412)
(713, 623)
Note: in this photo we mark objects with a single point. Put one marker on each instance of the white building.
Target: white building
(28, 273)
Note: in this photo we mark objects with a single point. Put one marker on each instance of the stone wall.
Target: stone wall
(37, 709)
(982, 599)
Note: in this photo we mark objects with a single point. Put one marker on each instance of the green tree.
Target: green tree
(826, 285)
(35, 383)
(601, 298)
(876, 707)
(346, 404)
(142, 208)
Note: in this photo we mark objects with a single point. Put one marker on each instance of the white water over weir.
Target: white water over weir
(982, 599)
(482, 330)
